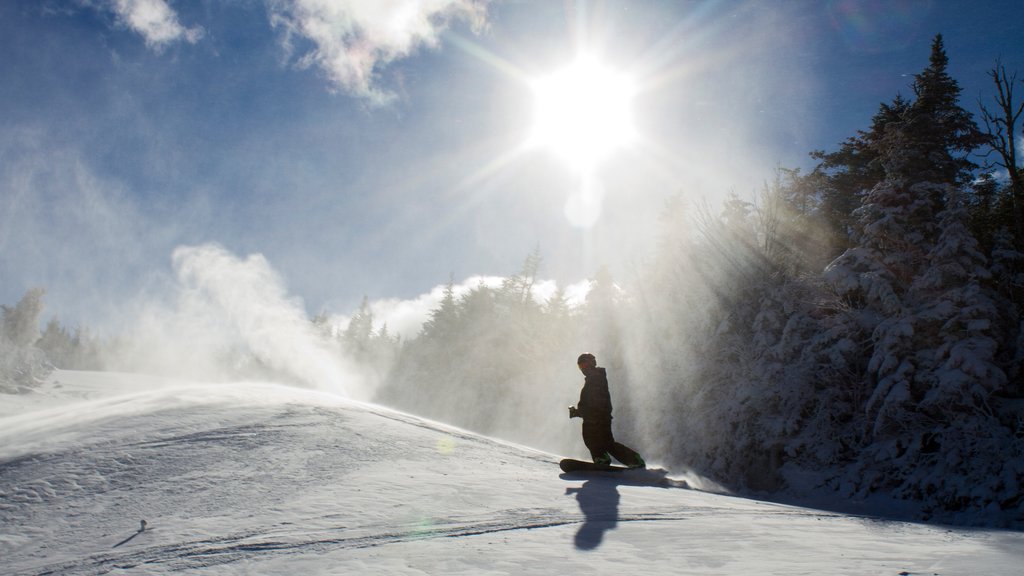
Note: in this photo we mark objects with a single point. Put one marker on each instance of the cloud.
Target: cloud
(155, 21)
(406, 317)
(353, 39)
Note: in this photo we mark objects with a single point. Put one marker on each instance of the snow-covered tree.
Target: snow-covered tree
(917, 281)
(443, 320)
(843, 177)
(55, 341)
(21, 322)
(357, 336)
(22, 364)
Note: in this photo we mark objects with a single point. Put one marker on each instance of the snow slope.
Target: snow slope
(252, 478)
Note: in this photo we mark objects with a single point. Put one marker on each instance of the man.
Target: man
(595, 407)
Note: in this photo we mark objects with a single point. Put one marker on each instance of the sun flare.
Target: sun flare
(583, 113)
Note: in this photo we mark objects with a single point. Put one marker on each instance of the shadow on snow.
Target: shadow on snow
(598, 498)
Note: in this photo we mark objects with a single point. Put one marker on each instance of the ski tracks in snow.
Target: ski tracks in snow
(202, 553)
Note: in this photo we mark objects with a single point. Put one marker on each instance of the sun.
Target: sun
(583, 113)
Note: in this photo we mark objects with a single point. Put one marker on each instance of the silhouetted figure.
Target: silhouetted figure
(595, 407)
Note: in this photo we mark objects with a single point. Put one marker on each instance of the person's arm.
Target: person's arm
(577, 410)
(581, 406)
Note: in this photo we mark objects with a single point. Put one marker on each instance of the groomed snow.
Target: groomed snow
(254, 478)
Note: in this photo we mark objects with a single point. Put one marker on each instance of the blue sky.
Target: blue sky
(375, 148)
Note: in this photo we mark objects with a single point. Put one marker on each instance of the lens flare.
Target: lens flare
(583, 207)
(446, 445)
(878, 26)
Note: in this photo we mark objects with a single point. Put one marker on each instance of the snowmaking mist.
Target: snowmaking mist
(231, 318)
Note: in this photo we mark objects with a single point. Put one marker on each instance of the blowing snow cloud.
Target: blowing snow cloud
(230, 307)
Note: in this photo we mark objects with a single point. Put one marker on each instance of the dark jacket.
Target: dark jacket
(595, 403)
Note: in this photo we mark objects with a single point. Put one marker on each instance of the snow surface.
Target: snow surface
(255, 478)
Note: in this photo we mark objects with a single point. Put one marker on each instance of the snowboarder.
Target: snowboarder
(595, 407)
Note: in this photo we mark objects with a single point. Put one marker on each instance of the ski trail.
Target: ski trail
(203, 553)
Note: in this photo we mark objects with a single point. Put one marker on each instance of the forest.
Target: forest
(854, 329)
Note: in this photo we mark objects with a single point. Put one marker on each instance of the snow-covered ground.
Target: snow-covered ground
(254, 478)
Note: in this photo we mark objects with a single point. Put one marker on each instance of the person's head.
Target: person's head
(586, 361)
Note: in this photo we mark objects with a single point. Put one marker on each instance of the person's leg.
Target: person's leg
(624, 454)
(598, 438)
(627, 455)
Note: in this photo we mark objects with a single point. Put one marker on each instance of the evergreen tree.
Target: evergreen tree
(358, 334)
(443, 320)
(847, 174)
(916, 281)
(957, 319)
(939, 132)
(921, 152)
(21, 322)
(22, 363)
(518, 288)
(56, 343)
(924, 140)
(89, 350)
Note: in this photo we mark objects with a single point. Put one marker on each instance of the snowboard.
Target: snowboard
(570, 465)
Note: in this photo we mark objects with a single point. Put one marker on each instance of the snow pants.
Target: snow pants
(599, 440)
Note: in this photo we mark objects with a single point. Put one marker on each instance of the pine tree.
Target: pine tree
(443, 319)
(916, 279)
(21, 322)
(940, 132)
(55, 342)
(359, 332)
(518, 288)
(920, 147)
(957, 321)
(22, 363)
(847, 174)
(924, 140)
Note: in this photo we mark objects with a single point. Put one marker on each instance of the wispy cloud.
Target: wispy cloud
(353, 40)
(155, 21)
(406, 317)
